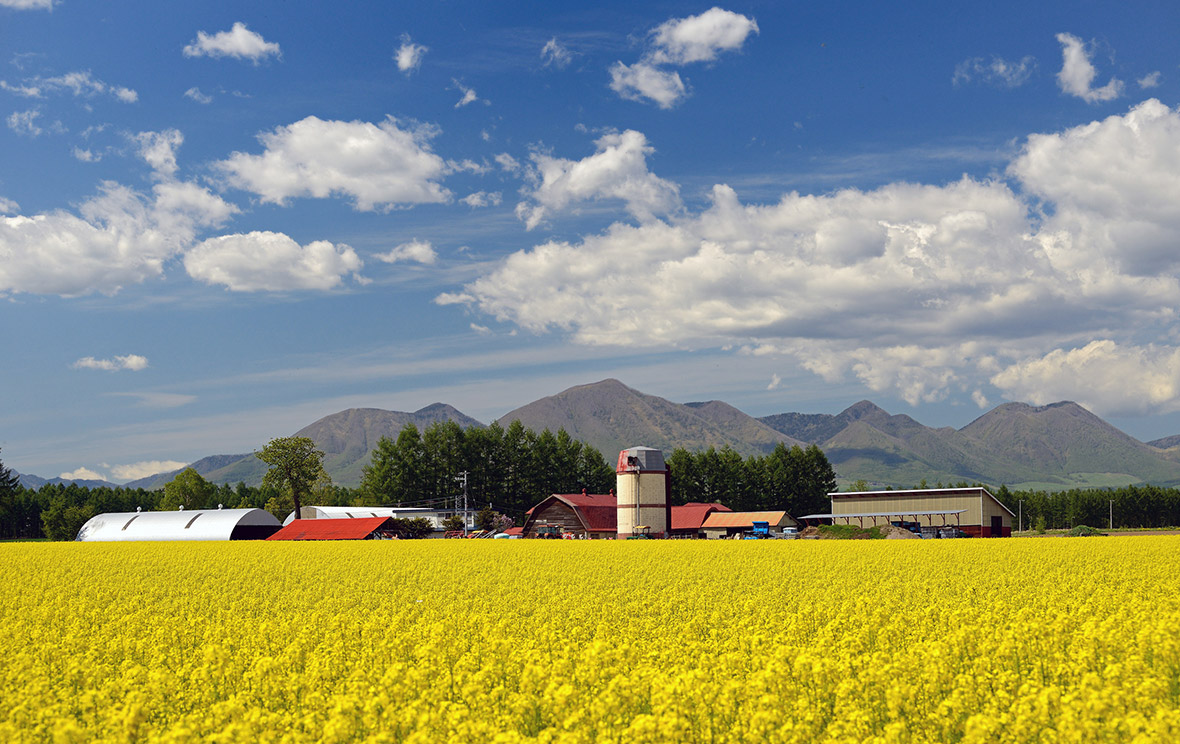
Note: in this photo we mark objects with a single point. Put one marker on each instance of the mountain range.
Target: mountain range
(1057, 446)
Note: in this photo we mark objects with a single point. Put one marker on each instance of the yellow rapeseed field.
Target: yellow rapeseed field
(1047, 640)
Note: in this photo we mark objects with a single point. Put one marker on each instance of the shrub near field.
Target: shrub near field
(891, 641)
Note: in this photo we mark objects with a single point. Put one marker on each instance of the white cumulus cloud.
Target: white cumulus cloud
(409, 55)
(1150, 80)
(1075, 242)
(271, 262)
(380, 166)
(617, 170)
(1077, 73)
(137, 470)
(158, 149)
(119, 237)
(195, 94)
(700, 38)
(132, 362)
(468, 97)
(645, 81)
(82, 474)
(420, 251)
(679, 41)
(482, 199)
(1118, 379)
(239, 42)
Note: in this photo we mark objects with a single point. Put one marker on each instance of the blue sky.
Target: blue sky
(222, 221)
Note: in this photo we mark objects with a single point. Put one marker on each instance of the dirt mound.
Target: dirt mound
(897, 533)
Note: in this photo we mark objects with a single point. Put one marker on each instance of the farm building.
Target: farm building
(643, 482)
(434, 516)
(583, 515)
(593, 516)
(358, 528)
(195, 524)
(974, 511)
(728, 523)
(688, 519)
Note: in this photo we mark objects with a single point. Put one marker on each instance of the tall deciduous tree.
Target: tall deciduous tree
(296, 466)
(188, 489)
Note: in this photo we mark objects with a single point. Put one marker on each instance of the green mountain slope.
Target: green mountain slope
(611, 416)
(1057, 446)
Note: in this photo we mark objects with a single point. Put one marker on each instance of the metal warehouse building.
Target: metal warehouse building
(973, 510)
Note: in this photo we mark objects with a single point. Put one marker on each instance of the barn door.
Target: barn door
(997, 526)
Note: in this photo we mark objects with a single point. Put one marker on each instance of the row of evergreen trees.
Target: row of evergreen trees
(509, 468)
(791, 479)
(1128, 507)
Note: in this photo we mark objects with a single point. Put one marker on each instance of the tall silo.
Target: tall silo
(642, 485)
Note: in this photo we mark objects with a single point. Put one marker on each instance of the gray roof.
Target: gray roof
(648, 459)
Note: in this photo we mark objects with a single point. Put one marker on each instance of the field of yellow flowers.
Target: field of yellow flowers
(1037, 640)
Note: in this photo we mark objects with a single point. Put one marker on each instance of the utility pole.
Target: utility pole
(462, 477)
(1020, 509)
(1112, 514)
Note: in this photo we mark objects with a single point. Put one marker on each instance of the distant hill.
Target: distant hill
(611, 416)
(348, 437)
(1166, 442)
(1056, 446)
(1069, 442)
(33, 481)
(1052, 447)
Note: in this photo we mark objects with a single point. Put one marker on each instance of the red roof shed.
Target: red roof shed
(688, 518)
(334, 529)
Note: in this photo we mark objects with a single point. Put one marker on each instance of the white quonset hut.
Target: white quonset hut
(195, 524)
(642, 484)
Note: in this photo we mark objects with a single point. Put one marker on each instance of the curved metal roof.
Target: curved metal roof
(195, 524)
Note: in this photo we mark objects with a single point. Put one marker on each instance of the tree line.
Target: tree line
(791, 479)
(510, 469)
(1132, 507)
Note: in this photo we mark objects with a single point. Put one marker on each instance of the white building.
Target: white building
(195, 524)
(435, 516)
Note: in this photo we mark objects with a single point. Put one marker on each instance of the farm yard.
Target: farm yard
(641, 641)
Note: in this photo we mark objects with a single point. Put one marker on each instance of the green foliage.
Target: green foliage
(190, 490)
(62, 520)
(1083, 531)
(296, 467)
(453, 523)
(1135, 507)
(510, 469)
(849, 532)
(415, 529)
(1039, 524)
(793, 479)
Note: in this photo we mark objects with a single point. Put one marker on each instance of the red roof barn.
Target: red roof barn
(581, 514)
(364, 528)
(687, 519)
